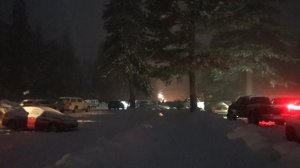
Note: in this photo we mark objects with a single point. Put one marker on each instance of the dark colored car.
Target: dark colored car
(254, 108)
(116, 105)
(38, 118)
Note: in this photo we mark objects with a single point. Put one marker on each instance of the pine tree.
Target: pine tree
(175, 27)
(215, 35)
(124, 48)
(252, 39)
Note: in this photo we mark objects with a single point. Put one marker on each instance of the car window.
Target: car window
(260, 100)
(64, 100)
(243, 100)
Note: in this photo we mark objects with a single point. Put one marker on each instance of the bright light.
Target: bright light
(293, 107)
(126, 105)
(161, 97)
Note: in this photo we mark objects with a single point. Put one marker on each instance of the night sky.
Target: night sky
(83, 19)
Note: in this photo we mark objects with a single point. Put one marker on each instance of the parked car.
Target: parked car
(7, 105)
(93, 103)
(116, 105)
(254, 108)
(200, 104)
(73, 104)
(37, 102)
(292, 126)
(220, 108)
(38, 118)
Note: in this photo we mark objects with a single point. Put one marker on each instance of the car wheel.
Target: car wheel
(12, 124)
(290, 134)
(231, 116)
(87, 109)
(52, 127)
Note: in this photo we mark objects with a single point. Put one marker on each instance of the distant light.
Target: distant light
(160, 114)
(26, 92)
(126, 105)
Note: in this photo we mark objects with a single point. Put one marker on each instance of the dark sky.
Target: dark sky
(83, 19)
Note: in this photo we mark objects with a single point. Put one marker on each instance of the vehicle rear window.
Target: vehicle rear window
(64, 100)
(260, 100)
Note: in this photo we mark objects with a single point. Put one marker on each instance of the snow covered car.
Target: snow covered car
(93, 103)
(7, 105)
(38, 118)
(220, 108)
(37, 102)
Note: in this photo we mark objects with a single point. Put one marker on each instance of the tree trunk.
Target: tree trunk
(191, 54)
(131, 90)
(249, 83)
(193, 95)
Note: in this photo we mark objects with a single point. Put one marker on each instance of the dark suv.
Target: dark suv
(116, 105)
(255, 108)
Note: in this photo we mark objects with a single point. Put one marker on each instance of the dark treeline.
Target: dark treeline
(31, 66)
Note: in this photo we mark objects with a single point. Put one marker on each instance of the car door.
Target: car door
(80, 103)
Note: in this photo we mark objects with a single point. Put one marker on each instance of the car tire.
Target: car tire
(290, 134)
(87, 109)
(231, 116)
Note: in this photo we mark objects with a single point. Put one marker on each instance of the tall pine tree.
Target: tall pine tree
(124, 48)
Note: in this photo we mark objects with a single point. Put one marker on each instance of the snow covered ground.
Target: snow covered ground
(152, 139)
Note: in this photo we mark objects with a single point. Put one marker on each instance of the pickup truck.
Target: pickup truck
(255, 109)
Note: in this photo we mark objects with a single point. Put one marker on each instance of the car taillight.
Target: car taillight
(293, 107)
